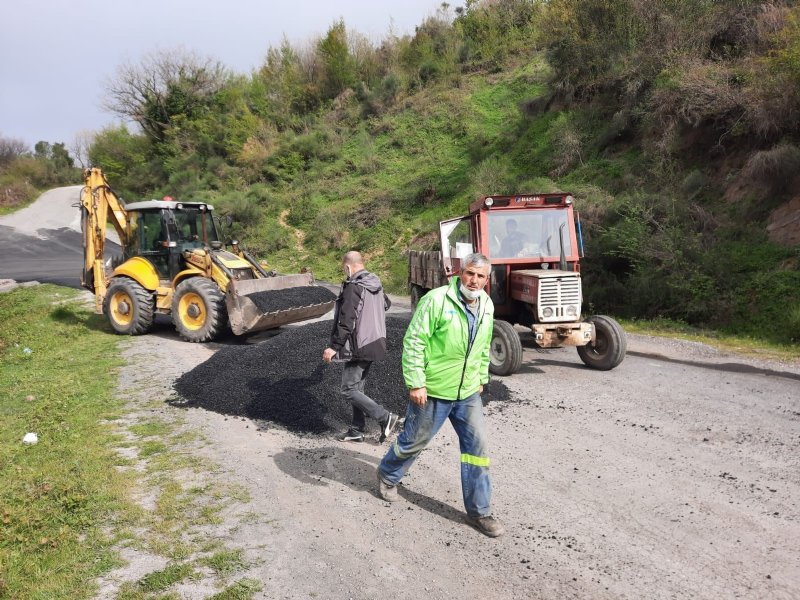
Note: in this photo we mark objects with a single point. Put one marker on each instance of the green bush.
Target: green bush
(767, 305)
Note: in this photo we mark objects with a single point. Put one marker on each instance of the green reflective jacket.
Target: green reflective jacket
(436, 351)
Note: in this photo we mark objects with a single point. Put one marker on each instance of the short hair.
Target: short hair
(353, 258)
(511, 222)
(475, 259)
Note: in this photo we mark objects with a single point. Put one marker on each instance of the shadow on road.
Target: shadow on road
(726, 367)
(353, 469)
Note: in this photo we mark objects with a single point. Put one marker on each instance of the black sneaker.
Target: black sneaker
(351, 435)
(389, 425)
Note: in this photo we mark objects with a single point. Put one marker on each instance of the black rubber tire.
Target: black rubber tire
(128, 307)
(609, 347)
(203, 296)
(505, 352)
(416, 293)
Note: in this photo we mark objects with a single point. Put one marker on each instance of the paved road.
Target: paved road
(43, 241)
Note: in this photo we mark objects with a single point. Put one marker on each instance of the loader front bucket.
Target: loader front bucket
(258, 304)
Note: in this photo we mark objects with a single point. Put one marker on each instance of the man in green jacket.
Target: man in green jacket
(445, 366)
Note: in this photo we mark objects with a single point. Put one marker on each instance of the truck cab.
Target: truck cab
(518, 233)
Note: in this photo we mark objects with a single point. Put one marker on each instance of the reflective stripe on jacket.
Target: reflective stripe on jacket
(436, 350)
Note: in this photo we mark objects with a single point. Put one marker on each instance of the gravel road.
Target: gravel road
(676, 475)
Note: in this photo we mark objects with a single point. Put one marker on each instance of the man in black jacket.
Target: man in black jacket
(358, 338)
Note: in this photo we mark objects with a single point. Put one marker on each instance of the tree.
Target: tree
(56, 154)
(165, 85)
(80, 147)
(11, 148)
(340, 72)
(62, 161)
(282, 88)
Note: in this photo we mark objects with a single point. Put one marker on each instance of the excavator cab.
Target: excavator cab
(162, 231)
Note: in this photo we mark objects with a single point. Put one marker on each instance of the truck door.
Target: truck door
(457, 240)
(154, 241)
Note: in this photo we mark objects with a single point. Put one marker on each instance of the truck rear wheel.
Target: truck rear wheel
(505, 352)
(609, 346)
(416, 293)
(198, 310)
(128, 306)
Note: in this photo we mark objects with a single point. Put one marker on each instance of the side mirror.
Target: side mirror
(228, 220)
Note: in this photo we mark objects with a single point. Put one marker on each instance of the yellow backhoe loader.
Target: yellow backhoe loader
(174, 263)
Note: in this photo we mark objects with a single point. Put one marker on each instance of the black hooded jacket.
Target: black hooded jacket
(359, 321)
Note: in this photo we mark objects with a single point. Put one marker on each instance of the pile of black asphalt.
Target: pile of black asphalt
(293, 297)
(284, 382)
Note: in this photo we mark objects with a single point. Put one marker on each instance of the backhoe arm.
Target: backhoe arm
(99, 204)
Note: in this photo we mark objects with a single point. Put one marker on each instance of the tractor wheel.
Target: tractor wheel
(128, 306)
(505, 353)
(609, 345)
(198, 310)
(417, 292)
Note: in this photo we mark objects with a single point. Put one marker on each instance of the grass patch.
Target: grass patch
(159, 581)
(244, 589)
(156, 582)
(151, 429)
(150, 447)
(748, 346)
(57, 380)
(225, 562)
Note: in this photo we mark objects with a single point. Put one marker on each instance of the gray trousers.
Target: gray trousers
(354, 377)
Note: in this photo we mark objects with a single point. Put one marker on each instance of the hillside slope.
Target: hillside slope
(675, 125)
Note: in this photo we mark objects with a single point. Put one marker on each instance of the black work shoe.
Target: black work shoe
(389, 425)
(387, 492)
(487, 525)
(351, 435)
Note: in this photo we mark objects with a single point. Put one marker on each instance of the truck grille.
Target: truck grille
(557, 294)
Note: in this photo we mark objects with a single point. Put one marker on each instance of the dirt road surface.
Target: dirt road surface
(676, 475)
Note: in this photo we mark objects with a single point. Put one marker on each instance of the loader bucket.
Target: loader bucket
(246, 316)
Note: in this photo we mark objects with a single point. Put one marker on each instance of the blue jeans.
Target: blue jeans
(422, 423)
(354, 376)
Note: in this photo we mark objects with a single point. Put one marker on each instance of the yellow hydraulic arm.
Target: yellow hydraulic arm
(99, 204)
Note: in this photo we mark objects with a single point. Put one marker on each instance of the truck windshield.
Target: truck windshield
(187, 229)
(528, 233)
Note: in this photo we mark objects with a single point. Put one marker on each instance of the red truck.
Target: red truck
(534, 243)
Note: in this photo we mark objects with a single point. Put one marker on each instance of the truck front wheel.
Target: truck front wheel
(128, 306)
(609, 345)
(198, 310)
(505, 352)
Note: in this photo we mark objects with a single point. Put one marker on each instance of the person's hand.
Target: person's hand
(328, 354)
(480, 390)
(419, 396)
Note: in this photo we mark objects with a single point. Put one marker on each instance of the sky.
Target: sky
(55, 55)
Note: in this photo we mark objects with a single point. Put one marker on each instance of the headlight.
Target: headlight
(489, 201)
(547, 312)
(572, 311)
